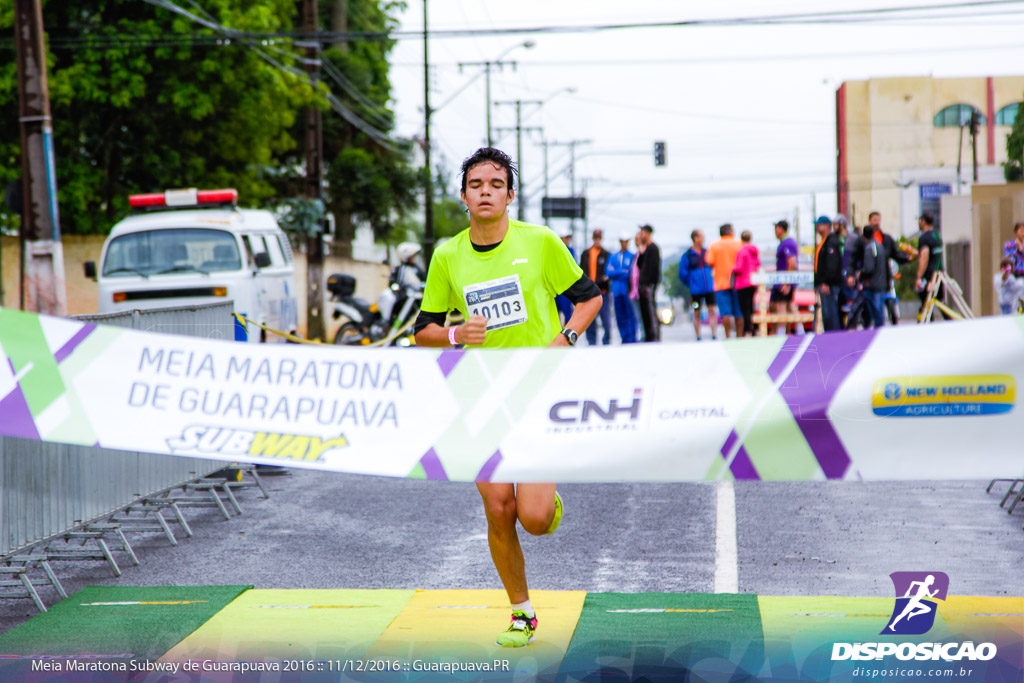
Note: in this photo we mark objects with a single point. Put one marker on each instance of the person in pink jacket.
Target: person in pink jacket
(748, 261)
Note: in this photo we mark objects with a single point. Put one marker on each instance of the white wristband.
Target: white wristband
(451, 335)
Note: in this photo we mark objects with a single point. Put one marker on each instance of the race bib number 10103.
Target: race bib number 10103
(500, 301)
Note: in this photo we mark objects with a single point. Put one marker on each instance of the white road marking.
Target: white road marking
(726, 559)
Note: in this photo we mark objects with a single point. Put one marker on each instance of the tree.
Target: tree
(673, 285)
(450, 215)
(1014, 167)
(369, 177)
(144, 99)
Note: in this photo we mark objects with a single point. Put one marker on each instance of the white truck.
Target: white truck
(196, 247)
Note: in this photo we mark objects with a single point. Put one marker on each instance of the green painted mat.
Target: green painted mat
(143, 622)
(665, 631)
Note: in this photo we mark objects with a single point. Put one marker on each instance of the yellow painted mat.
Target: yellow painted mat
(968, 614)
(310, 625)
(462, 624)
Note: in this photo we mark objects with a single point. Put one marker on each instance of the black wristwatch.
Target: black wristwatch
(571, 336)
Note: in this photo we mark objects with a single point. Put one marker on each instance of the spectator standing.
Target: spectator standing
(594, 261)
(892, 248)
(748, 262)
(828, 272)
(785, 260)
(634, 282)
(874, 276)
(1009, 289)
(721, 257)
(649, 265)
(929, 258)
(1014, 250)
(565, 307)
(620, 265)
(695, 273)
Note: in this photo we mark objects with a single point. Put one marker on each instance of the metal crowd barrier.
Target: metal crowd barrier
(49, 489)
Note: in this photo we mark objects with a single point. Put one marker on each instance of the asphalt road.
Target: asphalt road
(323, 530)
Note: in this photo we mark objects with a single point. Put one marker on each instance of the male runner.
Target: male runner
(503, 275)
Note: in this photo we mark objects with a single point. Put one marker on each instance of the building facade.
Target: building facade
(903, 143)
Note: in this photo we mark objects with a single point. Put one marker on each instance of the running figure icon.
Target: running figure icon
(915, 606)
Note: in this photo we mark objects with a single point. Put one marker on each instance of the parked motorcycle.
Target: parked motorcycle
(389, 321)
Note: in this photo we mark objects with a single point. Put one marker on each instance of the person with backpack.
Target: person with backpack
(695, 273)
(874, 276)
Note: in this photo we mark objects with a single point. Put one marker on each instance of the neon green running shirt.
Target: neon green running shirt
(513, 285)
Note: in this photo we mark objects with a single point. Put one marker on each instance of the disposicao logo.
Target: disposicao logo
(916, 593)
(944, 396)
(914, 615)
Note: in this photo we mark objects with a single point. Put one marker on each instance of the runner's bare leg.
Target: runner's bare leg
(503, 510)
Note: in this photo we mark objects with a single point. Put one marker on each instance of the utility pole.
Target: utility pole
(545, 144)
(314, 140)
(572, 172)
(974, 142)
(428, 186)
(959, 159)
(520, 203)
(487, 80)
(42, 255)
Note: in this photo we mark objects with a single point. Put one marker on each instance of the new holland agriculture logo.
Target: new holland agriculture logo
(914, 615)
(944, 396)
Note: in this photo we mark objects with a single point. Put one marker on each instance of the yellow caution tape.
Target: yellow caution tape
(242, 320)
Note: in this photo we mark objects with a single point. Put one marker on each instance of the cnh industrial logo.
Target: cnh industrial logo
(597, 413)
(913, 614)
(585, 411)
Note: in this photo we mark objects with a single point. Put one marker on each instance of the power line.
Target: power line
(831, 17)
(741, 59)
(377, 135)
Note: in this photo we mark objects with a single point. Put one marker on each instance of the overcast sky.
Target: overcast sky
(747, 112)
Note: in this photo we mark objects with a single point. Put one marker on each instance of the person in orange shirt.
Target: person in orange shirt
(594, 262)
(721, 257)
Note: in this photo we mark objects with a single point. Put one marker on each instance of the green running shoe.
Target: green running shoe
(519, 633)
(557, 519)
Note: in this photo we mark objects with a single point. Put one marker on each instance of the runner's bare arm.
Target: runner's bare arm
(473, 331)
(582, 316)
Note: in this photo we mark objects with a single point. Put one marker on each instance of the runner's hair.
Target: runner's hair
(490, 155)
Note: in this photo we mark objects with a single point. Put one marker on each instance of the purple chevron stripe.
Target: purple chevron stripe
(487, 471)
(785, 355)
(16, 417)
(448, 359)
(727, 446)
(811, 386)
(71, 344)
(742, 467)
(432, 466)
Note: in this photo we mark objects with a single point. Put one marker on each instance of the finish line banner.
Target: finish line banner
(912, 403)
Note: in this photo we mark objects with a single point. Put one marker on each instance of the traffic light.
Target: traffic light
(659, 153)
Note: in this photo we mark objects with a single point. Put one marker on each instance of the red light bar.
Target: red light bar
(140, 200)
(217, 196)
(189, 197)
